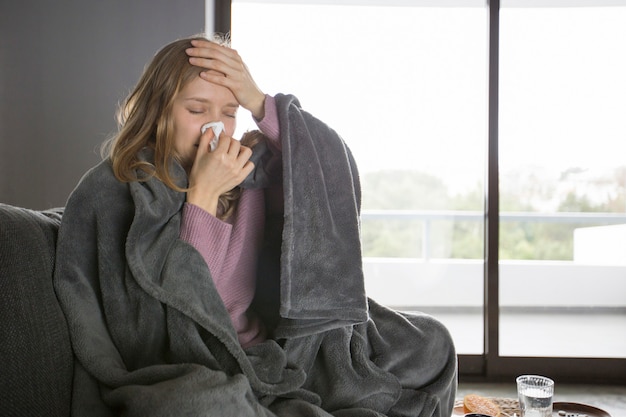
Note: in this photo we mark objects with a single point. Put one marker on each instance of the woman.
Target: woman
(229, 281)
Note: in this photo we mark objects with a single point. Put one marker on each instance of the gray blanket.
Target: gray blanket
(153, 338)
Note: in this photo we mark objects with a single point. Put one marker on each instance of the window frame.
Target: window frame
(490, 366)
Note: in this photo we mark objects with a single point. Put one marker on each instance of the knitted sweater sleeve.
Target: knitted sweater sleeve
(205, 232)
(269, 124)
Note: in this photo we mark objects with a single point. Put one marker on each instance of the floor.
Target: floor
(559, 333)
(611, 399)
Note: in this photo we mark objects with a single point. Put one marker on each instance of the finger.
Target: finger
(245, 152)
(204, 145)
(247, 169)
(223, 143)
(207, 60)
(234, 147)
(243, 157)
(203, 49)
(208, 64)
(208, 131)
(218, 72)
(216, 76)
(204, 52)
(208, 49)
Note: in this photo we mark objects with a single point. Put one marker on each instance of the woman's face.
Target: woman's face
(198, 103)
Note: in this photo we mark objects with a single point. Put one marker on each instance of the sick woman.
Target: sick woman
(203, 275)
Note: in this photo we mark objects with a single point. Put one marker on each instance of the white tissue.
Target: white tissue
(217, 127)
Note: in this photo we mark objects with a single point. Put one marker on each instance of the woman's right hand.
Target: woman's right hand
(214, 173)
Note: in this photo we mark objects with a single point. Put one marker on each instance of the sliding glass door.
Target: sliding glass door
(562, 181)
(416, 125)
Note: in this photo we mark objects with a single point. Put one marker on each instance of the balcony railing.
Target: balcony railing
(427, 217)
(454, 283)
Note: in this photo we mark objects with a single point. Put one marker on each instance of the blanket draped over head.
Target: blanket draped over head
(152, 337)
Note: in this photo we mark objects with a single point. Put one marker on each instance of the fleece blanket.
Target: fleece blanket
(152, 337)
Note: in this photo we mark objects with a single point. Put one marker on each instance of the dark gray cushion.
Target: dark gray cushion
(35, 354)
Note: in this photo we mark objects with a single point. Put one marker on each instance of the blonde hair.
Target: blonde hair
(145, 120)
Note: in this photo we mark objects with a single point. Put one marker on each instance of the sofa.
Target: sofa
(36, 365)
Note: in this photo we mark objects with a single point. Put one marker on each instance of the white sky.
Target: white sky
(407, 86)
(564, 69)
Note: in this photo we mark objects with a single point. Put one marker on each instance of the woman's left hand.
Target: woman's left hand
(226, 68)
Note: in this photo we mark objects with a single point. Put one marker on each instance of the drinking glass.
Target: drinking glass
(535, 395)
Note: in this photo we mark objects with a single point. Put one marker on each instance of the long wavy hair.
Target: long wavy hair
(145, 120)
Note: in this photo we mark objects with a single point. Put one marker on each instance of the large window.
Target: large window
(413, 88)
(416, 125)
(563, 181)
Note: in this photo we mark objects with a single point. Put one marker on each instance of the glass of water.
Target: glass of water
(535, 395)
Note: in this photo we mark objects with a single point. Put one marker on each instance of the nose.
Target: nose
(217, 129)
(216, 126)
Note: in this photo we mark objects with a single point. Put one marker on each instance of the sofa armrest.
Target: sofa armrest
(36, 357)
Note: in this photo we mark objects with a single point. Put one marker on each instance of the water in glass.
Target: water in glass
(535, 402)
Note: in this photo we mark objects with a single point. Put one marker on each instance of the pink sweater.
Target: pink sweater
(230, 248)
